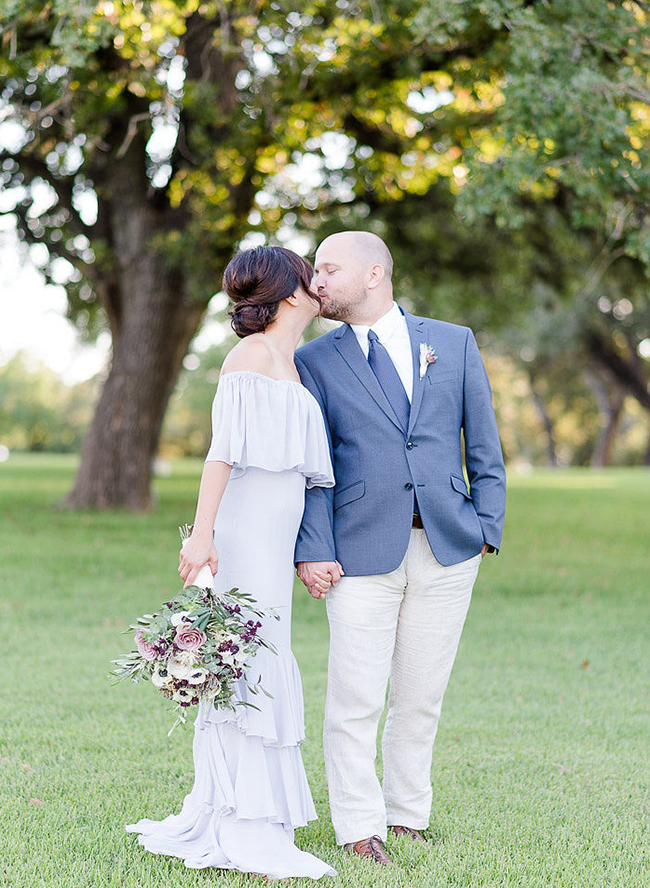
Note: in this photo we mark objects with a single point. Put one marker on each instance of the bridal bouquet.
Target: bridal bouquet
(196, 647)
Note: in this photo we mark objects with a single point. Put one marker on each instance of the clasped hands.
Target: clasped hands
(319, 576)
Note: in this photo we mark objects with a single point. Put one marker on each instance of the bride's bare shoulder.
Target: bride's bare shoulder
(252, 353)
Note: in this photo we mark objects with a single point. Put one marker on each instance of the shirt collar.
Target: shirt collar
(390, 324)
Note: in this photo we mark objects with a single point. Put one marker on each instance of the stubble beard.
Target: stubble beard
(342, 308)
(333, 311)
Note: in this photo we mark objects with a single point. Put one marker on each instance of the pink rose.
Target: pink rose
(146, 650)
(189, 639)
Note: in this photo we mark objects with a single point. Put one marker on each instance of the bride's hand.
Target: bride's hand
(196, 552)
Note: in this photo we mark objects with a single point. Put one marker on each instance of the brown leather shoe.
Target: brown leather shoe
(373, 848)
(413, 834)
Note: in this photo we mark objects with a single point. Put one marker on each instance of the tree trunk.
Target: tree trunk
(551, 453)
(153, 323)
(602, 455)
(626, 371)
(122, 441)
(610, 406)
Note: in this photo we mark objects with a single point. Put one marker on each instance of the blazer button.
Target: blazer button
(410, 445)
(408, 486)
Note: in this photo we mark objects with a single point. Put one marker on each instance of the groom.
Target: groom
(397, 543)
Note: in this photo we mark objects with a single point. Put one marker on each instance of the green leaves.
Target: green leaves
(568, 121)
(491, 141)
(545, 98)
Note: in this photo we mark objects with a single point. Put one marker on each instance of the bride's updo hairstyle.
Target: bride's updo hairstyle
(258, 280)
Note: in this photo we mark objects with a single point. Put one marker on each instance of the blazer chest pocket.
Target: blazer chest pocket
(436, 378)
(349, 494)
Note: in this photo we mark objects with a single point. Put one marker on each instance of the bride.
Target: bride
(269, 442)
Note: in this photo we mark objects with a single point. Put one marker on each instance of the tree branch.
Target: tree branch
(208, 65)
(132, 128)
(373, 136)
(36, 168)
(622, 371)
(57, 249)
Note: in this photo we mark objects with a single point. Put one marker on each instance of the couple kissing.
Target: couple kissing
(341, 459)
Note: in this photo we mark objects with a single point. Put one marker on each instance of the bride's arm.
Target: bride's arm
(249, 354)
(199, 549)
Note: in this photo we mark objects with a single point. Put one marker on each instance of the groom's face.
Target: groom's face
(339, 279)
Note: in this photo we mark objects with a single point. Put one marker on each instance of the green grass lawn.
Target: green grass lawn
(541, 762)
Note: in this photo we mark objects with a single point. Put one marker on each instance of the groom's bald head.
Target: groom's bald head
(365, 247)
(353, 271)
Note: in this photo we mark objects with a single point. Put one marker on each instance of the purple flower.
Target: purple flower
(160, 645)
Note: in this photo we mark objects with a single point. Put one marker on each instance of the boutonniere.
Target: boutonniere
(427, 356)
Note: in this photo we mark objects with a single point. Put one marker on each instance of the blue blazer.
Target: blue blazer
(365, 520)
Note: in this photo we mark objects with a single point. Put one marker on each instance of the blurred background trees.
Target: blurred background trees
(38, 412)
(500, 148)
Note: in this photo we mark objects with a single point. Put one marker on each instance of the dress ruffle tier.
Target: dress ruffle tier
(271, 424)
(250, 789)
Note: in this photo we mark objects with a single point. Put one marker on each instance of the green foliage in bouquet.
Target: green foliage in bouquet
(196, 647)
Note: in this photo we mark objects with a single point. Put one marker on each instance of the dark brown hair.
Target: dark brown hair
(258, 280)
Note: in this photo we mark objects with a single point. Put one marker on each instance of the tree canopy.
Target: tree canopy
(148, 139)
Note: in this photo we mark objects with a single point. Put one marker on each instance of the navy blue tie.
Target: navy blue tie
(388, 378)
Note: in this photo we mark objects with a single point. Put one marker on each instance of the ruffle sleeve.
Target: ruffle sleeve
(271, 424)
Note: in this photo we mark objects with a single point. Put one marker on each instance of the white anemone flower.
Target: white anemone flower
(182, 695)
(197, 676)
(181, 617)
(161, 676)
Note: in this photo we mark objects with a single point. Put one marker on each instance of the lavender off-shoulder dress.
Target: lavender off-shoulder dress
(250, 789)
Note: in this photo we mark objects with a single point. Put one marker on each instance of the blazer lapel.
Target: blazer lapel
(418, 336)
(350, 350)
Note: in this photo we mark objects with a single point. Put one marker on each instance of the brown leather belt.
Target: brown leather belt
(417, 521)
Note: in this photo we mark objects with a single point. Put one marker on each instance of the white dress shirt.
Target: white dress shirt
(393, 333)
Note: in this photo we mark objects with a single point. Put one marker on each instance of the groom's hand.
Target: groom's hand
(318, 576)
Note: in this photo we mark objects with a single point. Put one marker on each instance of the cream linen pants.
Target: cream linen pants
(404, 625)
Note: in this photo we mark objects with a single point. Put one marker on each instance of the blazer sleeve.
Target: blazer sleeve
(315, 540)
(483, 454)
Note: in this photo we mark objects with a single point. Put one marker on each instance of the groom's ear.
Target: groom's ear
(375, 276)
